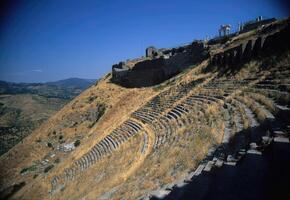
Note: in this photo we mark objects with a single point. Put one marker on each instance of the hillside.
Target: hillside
(24, 106)
(114, 142)
(74, 83)
(64, 89)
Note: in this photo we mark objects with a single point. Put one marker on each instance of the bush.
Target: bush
(102, 110)
(49, 145)
(91, 98)
(28, 169)
(48, 168)
(77, 143)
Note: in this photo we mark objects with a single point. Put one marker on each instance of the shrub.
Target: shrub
(91, 98)
(49, 145)
(101, 109)
(77, 143)
(48, 168)
(28, 169)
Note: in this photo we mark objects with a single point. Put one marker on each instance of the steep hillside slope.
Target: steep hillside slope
(113, 142)
(20, 114)
(24, 106)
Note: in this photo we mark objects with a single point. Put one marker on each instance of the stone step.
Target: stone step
(281, 139)
(254, 151)
(231, 160)
(145, 143)
(268, 91)
(182, 108)
(120, 135)
(201, 101)
(144, 119)
(219, 163)
(199, 169)
(160, 194)
(278, 87)
(280, 136)
(281, 107)
(249, 113)
(269, 115)
(209, 166)
(210, 98)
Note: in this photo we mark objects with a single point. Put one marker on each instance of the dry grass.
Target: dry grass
(248, 70)
(245, 119)
(120, 103)
(263, 100)
(281, 98)
(261, 115)
(173, 161)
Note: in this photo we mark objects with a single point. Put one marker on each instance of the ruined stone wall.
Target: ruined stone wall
(177, 63)
(155, 71)
(160, 67)
(255, 25)
(267, 43)
(151, 52)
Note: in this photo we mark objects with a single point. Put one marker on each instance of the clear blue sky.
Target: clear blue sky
(56, 39)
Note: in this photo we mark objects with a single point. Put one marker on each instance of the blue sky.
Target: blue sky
(56, 39)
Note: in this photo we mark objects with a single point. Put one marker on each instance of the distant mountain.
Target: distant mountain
(74, 82)
(64, 89)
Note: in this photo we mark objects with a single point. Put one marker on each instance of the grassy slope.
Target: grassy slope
(24, 106)
(119, 102)
(22, 113)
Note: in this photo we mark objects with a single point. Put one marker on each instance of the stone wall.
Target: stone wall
(255, 25)
(266, 43)
(162, 66)
(151, 52)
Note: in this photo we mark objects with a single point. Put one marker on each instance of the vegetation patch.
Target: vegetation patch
(48, 168)
(49, 145)
(77, 143)
(29, 169)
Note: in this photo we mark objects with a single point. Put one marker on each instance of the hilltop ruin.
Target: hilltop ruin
(159, 65)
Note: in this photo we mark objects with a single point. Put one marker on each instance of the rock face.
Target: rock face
(159, 65)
